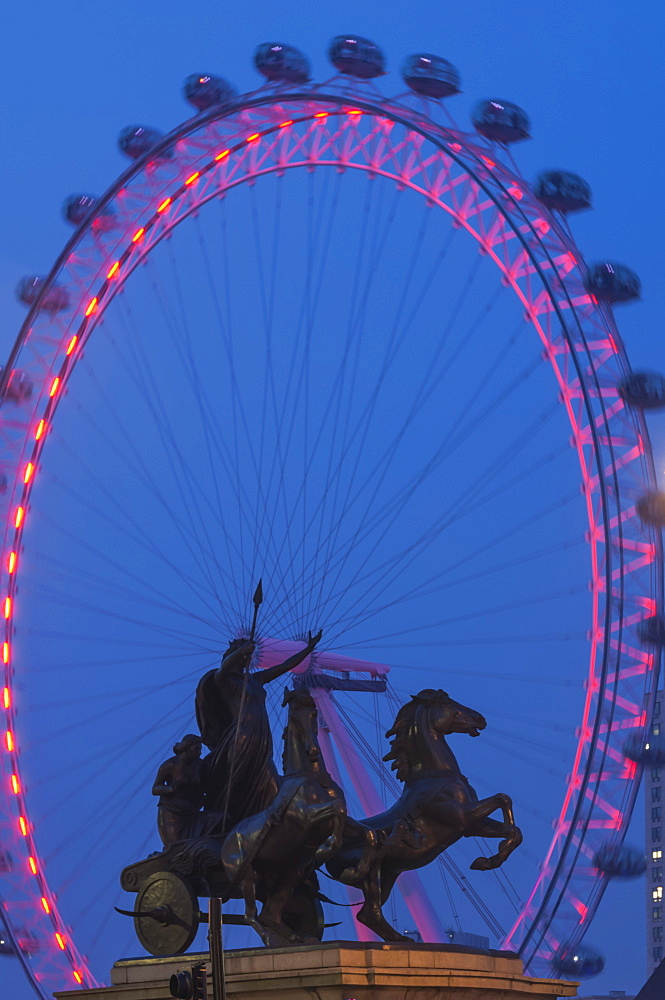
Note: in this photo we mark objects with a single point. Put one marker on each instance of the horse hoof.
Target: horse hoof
(481, 864)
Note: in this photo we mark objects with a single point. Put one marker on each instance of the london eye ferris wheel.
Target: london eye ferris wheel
(334, 339)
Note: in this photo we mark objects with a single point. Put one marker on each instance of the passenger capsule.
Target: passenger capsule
(136, 141)
(609, 282)
(28, 942)
(562, 191)
(651, 631)
(356, 56)
(29, 289)
(431, 76)
(621, 862)
(18, 390)
(581, 962)
(6, 947)
(282, 63)
(501, 121)
(205, 91)
(649, 751)
(78, 207)
(651, 508)
(644, 390)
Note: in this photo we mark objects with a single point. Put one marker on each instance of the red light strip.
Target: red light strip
(138, 235)
(9, 740)
(164, 205)
(5, 659)
(192, 179)
(18, 517)
(92, 306)
(71, 345)
(54, 386)
(41, 427)
(114, 269)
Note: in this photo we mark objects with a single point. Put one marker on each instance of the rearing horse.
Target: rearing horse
(437, 807)
(268, 855)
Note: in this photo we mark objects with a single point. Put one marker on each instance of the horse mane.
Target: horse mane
(299, 698)
(401, 743)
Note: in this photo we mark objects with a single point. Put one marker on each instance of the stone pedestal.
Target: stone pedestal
(342, 970)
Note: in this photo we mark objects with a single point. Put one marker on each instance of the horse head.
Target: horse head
(446, 716)
(419, 727)
(301, 744)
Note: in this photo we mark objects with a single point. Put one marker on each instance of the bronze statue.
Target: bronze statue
(241, 777)
(179, 785)
(232, 827)
(437, 807)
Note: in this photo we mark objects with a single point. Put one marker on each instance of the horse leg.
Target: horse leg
(480, 825)
(248, 893)
(271, 912)
(351, 876)
(512, 838)
(334, 841)
(371, 914)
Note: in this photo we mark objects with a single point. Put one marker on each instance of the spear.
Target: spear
(258, 601)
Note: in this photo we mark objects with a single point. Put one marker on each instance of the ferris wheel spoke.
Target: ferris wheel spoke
(341, 393)
(332, 411)
(348, 434)
(365, 614)
(485, 612)
(125, 523)
(82, 724)
(355, 322)
(399, 503)
(110, 811)
(466, 510)
(236, 555)
(433, 584)
(102, 585)
(381, 468)
(110, 693)
(56, 598)
(344, 551)
(186, 481)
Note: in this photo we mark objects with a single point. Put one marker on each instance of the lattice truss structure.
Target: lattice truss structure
(278, 130)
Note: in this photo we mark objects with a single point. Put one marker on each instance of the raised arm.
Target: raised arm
(272, 673)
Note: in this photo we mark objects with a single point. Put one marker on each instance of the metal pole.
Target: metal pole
(216, 949)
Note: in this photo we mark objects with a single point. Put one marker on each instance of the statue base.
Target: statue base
(342, 970)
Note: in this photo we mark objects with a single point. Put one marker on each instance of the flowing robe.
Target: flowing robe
(254, 782)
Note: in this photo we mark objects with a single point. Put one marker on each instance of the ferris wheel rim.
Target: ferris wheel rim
(262, 100)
